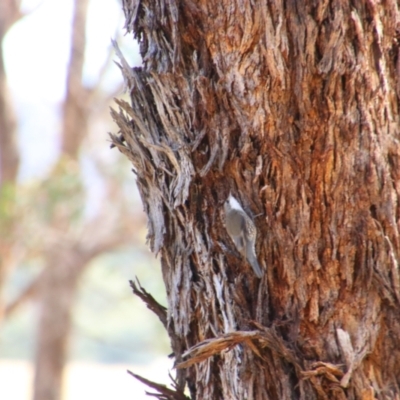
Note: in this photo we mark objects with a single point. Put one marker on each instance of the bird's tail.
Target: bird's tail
(251, 258)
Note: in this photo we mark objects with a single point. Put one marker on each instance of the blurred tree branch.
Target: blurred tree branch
(10, 13)
(75, 112)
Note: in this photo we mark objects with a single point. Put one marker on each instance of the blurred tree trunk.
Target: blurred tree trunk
(294, 107)
(66, 262)
(66, 248)
(56, 297)
(56, 294)
(70, 251)
(9, 157)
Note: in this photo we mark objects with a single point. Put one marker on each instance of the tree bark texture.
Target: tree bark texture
(293, 106)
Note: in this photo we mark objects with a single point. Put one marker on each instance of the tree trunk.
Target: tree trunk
(293, 108)
(9, 157)
(76, 107)
(56, 299)
(66, 242)
(65, 264)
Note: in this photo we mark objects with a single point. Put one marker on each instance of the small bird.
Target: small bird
(242, 231)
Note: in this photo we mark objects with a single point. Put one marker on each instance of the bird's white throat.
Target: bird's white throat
(234, 203)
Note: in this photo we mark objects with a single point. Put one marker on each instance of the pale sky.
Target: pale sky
(36, 55)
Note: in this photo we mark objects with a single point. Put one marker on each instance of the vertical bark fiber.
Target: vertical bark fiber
(292, 105)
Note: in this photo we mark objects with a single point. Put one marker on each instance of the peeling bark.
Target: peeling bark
(294, 107)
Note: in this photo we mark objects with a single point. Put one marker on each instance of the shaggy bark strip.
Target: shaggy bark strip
(266, 338)
(164, 392)
(292, 106)
(150, 302)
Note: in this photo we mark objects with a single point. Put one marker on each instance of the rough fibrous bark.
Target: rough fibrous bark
(294, 107)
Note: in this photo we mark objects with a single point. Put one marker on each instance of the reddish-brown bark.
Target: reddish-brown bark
(294, 106)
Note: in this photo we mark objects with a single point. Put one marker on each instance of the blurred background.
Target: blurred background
(72, 227)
